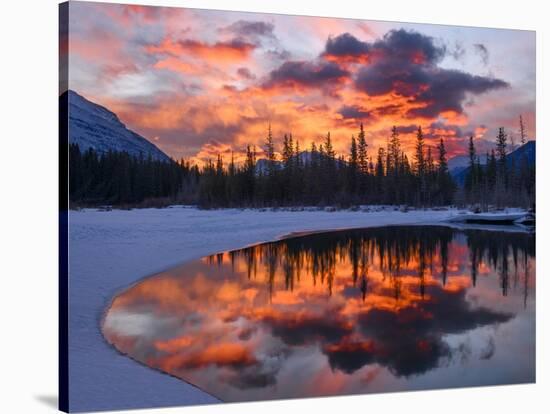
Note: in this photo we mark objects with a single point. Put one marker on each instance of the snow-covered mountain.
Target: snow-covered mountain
(94, 126)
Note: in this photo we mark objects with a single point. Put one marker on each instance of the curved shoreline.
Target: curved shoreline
(109, 252)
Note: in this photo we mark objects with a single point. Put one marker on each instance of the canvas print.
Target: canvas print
(257, 206)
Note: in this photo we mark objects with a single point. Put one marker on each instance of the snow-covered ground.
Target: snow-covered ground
(110, 250)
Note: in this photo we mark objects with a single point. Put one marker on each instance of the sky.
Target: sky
(199, 83)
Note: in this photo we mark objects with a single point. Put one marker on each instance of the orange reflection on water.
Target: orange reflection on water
(335, 313)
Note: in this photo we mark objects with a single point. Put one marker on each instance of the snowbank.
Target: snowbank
(110, 250)
(490, 218)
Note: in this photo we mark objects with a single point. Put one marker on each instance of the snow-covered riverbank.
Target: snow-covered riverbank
(110, 250)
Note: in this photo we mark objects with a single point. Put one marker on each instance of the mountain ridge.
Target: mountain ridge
(527, 150)
(94, 126)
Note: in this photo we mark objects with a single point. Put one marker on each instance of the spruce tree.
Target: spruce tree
(380, 173)
(420, 164)
(502, 140)
(501, 152)
(522, 133)
(270, 148)
(353, 153)
(362, 157)
(443, 167)
(471, 156)
(445, 182)
(394, 149)
(352, 168)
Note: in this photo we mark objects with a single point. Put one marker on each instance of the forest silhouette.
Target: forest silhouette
(316, 176)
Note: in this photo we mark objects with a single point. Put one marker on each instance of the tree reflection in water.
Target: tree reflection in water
(338, 313)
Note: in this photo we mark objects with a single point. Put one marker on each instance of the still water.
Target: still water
(347, 312)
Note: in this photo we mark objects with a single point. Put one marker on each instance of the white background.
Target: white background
(28, 203)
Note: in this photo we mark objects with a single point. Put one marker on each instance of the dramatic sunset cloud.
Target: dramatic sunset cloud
(202, 83)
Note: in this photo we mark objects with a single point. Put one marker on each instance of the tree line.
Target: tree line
(397, 251)
(500, 181)
(312, 177)
(118, 178)
(319, 177)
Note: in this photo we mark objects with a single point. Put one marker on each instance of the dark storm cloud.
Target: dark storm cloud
(259, 375)
(278, 54)
(403, 359)
(452, 314)
(350, 357)
(260, 34)
(390, 75)
(409, 45)
(447, 90)
(396, 44)
(250, 29)
(409, 341)
(483, 53)
(390, 109)
(454, 130)
(407, 129)
(353, 112)
(346, 45)
(402, 62)
(306, 74)
(405, 63)
(300, 330)
(245, 73)
(250, 378)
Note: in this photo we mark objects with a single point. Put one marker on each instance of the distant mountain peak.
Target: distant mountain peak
(525, 152)
(94, 126)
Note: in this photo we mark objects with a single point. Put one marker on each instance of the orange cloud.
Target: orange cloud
(174, 345)
(223, 354)
(230, 51)
(177, 65)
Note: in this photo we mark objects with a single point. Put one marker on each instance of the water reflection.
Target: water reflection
(375, 310)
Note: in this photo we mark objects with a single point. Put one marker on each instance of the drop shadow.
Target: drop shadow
(51, 401)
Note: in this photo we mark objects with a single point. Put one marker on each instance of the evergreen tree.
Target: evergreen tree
(353, 153)
(445, 182)
(501, 152)
(298, 176)
(522, 133)
(317, 178)
(329, 150)
(299, 162)
(288, 151)
(420, 165)
(269, 183)
(363, 163)
(352, 168)
(394, 149)
(250, 174)
(502, 140)
(492, 168)
(362, 157)
(380, 173)
(443, 167)
(270, 149)
(471, 159)
(430, 166)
